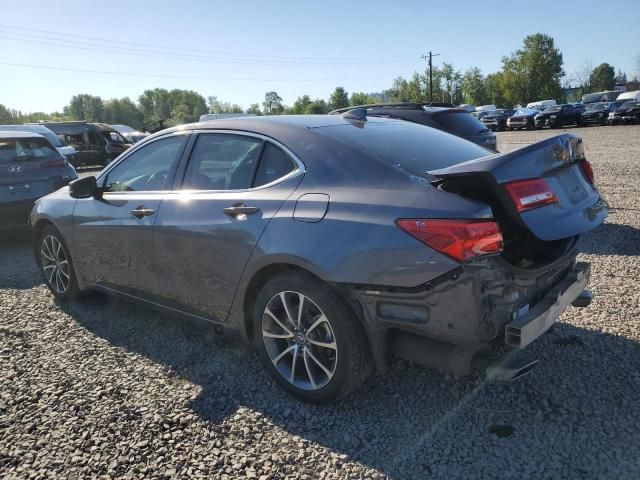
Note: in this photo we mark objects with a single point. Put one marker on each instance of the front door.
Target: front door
(233, 185)
(113, 235)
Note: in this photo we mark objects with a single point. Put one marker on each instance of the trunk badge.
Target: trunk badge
(15, 168)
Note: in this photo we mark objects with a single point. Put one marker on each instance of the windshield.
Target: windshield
(554, 108)
(596, 106)
(19, 149)
(630, 105)
(113, 136)
(409, 146)
(123, 128)
(526, 112)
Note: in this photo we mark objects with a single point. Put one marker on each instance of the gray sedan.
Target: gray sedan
(326, 241)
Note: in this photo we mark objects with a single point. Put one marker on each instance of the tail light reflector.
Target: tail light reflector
(530, 194)
(54, 163)
(461, 240)
(587, 169)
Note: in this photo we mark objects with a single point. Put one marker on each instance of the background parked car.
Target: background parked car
(497, 119)
(628, 112)
(540, 105)
(451, 120)
(96, 143)
(66, 150)
(559, 116)
(604, 96)
(522, 118)
(130, 134)
(633, 96)
(597, 113)
(30, 167)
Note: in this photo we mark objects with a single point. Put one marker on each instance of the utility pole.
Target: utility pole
(430, 57)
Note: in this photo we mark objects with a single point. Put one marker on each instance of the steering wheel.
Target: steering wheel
(157, 179)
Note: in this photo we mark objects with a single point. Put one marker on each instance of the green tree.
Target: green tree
(361, 98)
(318, 106)
(272, 104)
(473, 86)
(216, 106)
(495, 88)
(187, 106)
(301, 104)
(254, 109)
(338, 99)
(533, 72)
(603, 77)
(123, 111)
(452, 84)
(155, 105)
(85, 107)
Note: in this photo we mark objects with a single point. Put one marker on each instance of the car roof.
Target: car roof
(18, 134)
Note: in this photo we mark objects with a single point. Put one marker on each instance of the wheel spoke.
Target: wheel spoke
(292, 375)
(276, 335)
(282, 354)
(275, 319)
(47, 241)
(53, 272)
(305, 355)
(332, 345)
(321, 319)
(286, 309)
(300, 306)
(58, 247)
(324, 369)
(46, 267)
(46, 255)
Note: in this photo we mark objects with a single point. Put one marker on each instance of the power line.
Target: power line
(237, 54)
(187, 77)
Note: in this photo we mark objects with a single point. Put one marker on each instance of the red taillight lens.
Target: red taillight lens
(587, 169)
(54, 163)
(459, 239)
(529, 194)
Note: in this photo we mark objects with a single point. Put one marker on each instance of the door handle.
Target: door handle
(142, 212)
(238, 209)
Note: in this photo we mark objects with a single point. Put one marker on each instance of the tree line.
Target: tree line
(533, 72)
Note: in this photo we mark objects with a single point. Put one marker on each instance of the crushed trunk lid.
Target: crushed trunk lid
(579, 207)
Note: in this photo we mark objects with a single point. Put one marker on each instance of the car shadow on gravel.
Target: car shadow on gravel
(611, 239)
(15, 254)
(576, 413)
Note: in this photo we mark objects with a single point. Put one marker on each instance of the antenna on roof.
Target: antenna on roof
(358, 113)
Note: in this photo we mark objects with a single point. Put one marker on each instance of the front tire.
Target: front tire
(309, 338)
(55, 264)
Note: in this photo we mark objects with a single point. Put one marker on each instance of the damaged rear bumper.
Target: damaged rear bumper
(525, 329)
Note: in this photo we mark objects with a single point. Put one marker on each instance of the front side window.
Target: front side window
(148, 168)
(222, 162)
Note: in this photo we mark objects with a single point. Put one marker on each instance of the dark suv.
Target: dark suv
(560, 115)
(442, 116)
(96, 143)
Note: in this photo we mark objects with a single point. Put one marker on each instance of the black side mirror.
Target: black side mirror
(85, 188)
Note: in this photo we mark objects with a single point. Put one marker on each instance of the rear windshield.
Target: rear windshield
(20, 149)
(411, 147)
(460, 123)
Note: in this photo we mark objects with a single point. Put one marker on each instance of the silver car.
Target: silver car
(326, 241)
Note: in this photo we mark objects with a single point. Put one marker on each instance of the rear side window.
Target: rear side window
(411, 147)
(24, 149)
(274, 164)
(460, 123)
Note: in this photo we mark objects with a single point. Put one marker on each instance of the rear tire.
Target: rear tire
(54, 261)
(309, 338)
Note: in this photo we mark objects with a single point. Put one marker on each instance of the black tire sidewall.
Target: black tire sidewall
(73, 291)
(339, 316)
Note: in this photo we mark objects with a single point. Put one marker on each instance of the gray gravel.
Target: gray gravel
(105, 388)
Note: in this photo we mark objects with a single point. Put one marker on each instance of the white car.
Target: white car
(540, 105)
(130, 133)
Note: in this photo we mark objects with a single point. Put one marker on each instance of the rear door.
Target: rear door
(559, 161)
(113, 235)
(233, 185)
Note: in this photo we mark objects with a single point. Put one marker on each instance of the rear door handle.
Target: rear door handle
(142, 212)
(238, 209)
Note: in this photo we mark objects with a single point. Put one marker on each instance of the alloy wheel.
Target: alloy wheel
(299, 340)
(55, 264)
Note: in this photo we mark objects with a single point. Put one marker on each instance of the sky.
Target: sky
(237, 50)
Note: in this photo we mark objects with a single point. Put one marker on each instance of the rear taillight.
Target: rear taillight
(459, 239)
(587, 169)
(530, 194)
(54, 163)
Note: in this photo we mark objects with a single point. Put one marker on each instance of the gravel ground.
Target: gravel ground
(105, 388)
